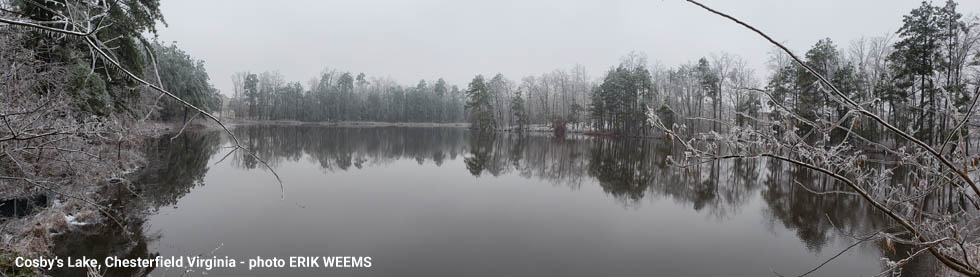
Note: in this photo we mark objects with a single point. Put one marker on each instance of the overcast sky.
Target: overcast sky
(457, 39)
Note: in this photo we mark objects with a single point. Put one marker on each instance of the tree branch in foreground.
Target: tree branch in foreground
(845, 164)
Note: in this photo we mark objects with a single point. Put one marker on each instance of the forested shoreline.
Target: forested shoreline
(907, 77)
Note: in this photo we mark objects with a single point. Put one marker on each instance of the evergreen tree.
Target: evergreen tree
(709, 84)
(575, 116)
(620, 102)
(519, 112)
(914, 60)
(440, 102)
(252, 94)
(481, 113)
(186, 78)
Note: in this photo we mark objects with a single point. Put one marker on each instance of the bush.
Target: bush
(560, 127)
(666, 115)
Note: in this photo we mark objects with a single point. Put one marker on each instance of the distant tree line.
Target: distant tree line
(342, 96)
(500, 103)
(618, 103)
(907, 80)
(931, 65)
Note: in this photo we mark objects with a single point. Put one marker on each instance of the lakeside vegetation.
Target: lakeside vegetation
(75, 115)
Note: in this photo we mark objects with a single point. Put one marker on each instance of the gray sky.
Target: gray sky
(457, 39)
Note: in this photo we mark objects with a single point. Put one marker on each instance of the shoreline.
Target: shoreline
(237, 122)
(82, 205)
(537, 128)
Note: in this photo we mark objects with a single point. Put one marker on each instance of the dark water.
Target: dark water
(446, 202)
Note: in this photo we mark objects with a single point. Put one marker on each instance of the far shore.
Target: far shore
(232, 122)
(534, 128)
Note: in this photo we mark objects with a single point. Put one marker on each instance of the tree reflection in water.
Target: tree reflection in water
(631, 171)
(344, 148)
(174, 168)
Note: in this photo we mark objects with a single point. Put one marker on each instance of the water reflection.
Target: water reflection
(176, 167)
(344, 148)
(631, 172)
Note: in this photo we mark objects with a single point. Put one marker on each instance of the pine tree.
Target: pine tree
(481, 113)
(519, 112)
(914, 60)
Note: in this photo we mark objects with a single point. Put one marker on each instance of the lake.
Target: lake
(448, 202)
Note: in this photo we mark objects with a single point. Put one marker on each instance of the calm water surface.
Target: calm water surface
(447, 202)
